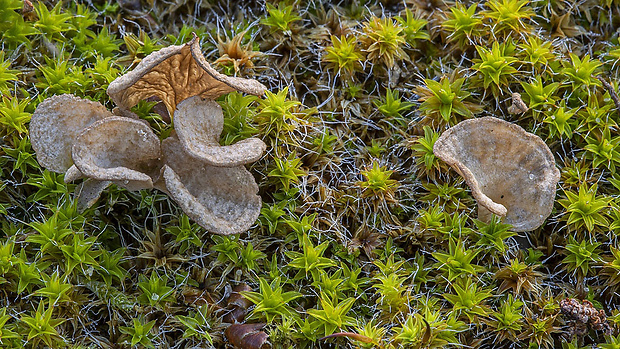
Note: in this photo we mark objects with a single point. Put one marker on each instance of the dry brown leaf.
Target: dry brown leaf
(199, 123)
(518, 106)
(237, 304)
(247, 336)
(173, 74)
(119, 149)
(511, 172)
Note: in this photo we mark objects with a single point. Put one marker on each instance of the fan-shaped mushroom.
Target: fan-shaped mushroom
(55, 125)
(511, 172)
(121, 150)
(199, 123)
(173, 74)
(222, 200)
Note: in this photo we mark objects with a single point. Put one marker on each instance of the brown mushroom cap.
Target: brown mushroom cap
(55, 125)
(121, 150)
(222, 200)
(199, 123)
(511, 172)
(173, 74)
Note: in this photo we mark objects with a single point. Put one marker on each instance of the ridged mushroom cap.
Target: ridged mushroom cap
(199, 123)
(173, 74)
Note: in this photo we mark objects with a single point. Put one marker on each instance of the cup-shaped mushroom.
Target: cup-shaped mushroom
(222, 200)
(55, 125)
(173, 74)
(511, 172)
(199, 123)
(120, 150)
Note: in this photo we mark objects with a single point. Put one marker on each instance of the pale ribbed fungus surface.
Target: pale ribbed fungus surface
(121, 150)
(511, 172)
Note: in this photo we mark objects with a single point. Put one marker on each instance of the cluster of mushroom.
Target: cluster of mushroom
(511, 172)
(82, 139)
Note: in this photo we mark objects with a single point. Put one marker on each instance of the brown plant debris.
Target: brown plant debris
(518, 106)
(612, 92)
(511, 172)
(247, 336)
(237, 304)
(582, 316)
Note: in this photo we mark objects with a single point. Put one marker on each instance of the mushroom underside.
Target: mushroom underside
(174, 74)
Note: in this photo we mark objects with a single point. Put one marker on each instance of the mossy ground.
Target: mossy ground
(363, 230)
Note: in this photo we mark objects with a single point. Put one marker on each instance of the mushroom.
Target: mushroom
(173, 74)
(199, 123)
(89, 191)
(223, 200)
(511, 172)
(55, 125)
(121, 150)
(83, 139)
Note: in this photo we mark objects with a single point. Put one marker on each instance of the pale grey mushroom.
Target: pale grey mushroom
(511, 172)
(120, 150)
(199, 123)
(89, 191)
(55, 125)
(222, 200)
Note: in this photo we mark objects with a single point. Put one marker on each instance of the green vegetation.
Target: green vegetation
(364, 235)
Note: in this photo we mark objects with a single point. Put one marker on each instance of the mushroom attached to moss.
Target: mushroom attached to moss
(223, 200)
(511, 172)
(174, 74)
(199, 123)
(55, 125)
(121, 150)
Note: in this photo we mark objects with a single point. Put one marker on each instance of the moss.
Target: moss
(364, 234)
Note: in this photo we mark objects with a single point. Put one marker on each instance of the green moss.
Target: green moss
(364, 233)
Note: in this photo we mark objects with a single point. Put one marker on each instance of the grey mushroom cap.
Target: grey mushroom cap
(89, 191)
(173, 74)
(120, 150)
(222, 200)
(199, 123)
(511, 172)
(55, 125)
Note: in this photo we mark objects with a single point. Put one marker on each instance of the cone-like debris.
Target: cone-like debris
(121, 150)
(222, 200)
(511, 172)
(199, 123)
(173, 74)
(55, 125)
